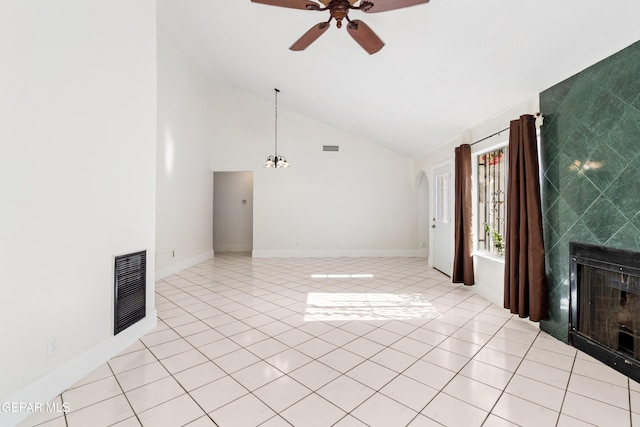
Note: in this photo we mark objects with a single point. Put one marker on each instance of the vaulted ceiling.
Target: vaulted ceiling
(447, 65)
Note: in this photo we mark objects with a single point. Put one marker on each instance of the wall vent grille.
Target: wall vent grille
(330, 148)
(130, 290)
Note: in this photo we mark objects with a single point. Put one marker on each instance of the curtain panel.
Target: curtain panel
(463, 249)
(525, 283)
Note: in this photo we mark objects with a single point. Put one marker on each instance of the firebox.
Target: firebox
(604, 315)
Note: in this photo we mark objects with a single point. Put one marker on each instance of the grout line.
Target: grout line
(566, 390)
(503, 391)
(629, 393)
(124, 394)
(174, 378)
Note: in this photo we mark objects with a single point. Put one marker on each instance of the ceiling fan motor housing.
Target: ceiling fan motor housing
(339, 10)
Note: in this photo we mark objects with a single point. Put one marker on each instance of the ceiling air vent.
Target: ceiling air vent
(130, 288)
(330, 148)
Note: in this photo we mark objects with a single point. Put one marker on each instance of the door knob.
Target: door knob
(433, 226)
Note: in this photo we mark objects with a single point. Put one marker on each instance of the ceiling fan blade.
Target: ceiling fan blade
(310, 36)
(293, 4)
(384, 5)
(365, 36)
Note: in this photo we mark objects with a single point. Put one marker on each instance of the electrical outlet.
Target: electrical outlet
(52, 347)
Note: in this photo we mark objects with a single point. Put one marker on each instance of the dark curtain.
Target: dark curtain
(463, 258)
(525, 282)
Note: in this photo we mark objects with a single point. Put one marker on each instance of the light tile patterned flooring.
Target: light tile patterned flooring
(350, 342)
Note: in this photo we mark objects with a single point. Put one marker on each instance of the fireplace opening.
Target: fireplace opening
(604, 316)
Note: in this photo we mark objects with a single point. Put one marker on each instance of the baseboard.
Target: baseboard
(234, 248)
(54, 383)
(183, 265)
(341, 253)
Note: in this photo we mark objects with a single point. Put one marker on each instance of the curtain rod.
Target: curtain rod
(487, 137)
(497, 133)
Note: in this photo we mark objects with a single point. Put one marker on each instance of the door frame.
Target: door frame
(445, 262)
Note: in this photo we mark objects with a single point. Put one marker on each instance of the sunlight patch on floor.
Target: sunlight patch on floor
(367, 306)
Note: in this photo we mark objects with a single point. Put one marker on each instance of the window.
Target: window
(442, 196)
(492, 185)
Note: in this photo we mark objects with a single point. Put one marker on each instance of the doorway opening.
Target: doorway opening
(233, 212)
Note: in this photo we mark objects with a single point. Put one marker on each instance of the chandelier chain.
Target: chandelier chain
(276, 121)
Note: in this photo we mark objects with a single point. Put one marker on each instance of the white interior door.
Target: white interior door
(442, 251)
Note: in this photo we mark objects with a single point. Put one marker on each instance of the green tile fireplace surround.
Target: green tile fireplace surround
(591, 169)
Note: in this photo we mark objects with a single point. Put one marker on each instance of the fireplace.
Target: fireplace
(604, 315)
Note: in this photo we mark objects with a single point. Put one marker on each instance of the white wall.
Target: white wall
(233, 211)
(184, 177)
(424, 220)
(356, 202)
(77, 183)
(489, 272)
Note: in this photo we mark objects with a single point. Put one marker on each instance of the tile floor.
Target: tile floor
(388, 342)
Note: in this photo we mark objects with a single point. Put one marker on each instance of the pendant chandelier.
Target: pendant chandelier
(275, 160)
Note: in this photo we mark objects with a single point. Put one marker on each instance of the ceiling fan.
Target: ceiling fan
(339, 10)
